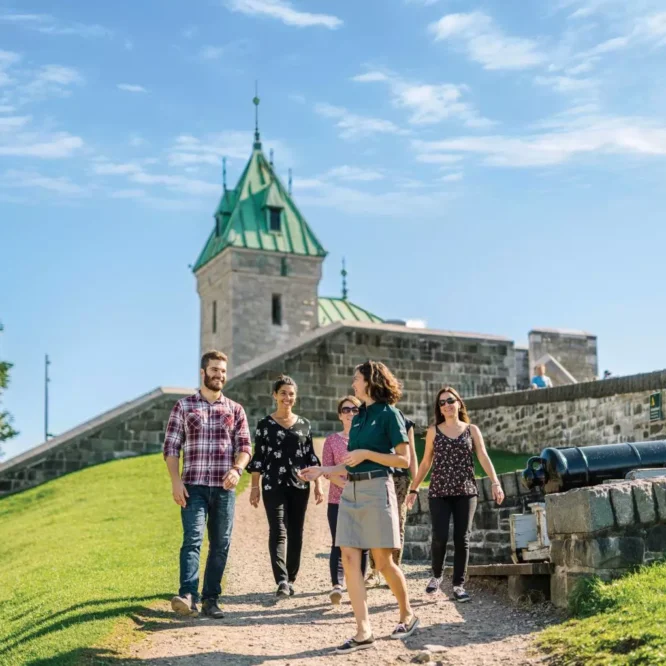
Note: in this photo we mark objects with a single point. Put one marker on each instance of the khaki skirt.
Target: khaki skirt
(368, 515)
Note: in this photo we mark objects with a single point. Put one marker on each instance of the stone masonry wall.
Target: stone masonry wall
(602, 412)
(605, 531)
(490, 541)
(576, 351)
(133, 431)
(323, 369)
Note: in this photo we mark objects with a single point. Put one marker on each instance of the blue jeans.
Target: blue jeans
(214, 507)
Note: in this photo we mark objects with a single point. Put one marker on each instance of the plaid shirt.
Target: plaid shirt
(210, 436)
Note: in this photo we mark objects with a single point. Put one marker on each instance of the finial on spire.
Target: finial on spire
(343, 272)
(289, 190)
(255, 101)
(224, 173)
(271, 157)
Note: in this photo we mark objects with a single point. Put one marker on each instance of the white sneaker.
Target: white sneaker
(460, 595)
(374, 579)
(433, 585)
(335, 595)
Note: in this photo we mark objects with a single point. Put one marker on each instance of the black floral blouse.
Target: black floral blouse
(453, 466)
(280, 452)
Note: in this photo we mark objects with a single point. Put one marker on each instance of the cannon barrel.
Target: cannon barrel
(560, 469)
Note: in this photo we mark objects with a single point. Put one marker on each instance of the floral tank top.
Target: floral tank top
(453, 466)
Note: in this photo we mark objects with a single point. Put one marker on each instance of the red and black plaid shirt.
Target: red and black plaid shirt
(210, 436)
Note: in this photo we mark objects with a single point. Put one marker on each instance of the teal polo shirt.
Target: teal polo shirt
(379, 427)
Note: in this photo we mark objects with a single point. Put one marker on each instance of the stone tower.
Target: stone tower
(259, 272)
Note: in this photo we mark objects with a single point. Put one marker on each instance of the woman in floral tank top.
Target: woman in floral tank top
(335, 451)
(448, 450)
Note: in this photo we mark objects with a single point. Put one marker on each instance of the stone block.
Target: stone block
(509, 484)
(535, 588)
(656, 539)
(623, 504)
(417, 533)
(486, 518)
(487, 488)
(423, 500)
(522, 488)
(604, 553)
(579, 511)
(644, 502)
(562, 584)
(558, 550)
(659, 490)
(416, 552)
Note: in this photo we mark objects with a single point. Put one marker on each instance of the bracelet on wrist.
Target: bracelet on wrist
(413, 491)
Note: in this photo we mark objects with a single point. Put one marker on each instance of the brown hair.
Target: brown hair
(212, 355)
(348, 398)
(462, 412)
(284, 380)
(382, 384)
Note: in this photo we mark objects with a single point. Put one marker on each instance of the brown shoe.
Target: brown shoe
(210, 609)
(184, 605)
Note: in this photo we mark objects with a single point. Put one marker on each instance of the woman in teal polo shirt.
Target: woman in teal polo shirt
(368, 514)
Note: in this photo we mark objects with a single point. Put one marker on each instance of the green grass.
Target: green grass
(622, 622)
(80, 554)
(503, 461)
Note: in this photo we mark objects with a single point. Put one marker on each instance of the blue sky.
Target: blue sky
(487, 166)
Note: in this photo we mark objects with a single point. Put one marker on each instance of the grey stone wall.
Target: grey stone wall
(490, 540)
(576, 351)
(323, 368)
(601, 412)
(605, 531)
(242, 283)
(522, 368)
(133, 431)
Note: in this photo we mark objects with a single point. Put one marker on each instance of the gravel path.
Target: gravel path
(305, 628)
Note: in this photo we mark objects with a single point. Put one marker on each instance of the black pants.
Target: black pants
(335, 560)
(462, 509)
(285, 509)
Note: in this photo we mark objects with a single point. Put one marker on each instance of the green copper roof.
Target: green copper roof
(243, 216)
(339, 309)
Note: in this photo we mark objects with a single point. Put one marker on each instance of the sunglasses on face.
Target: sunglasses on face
(349, 410)
(448, 401)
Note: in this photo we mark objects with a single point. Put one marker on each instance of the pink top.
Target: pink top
(335, 449)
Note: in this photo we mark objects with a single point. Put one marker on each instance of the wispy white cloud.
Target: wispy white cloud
(353, 126)
(567, 84)
(40, 145)
(484, 42)
(50, 25)
(238, 48)
(568, 138)
(284, 11)
(428, 103)
(14, 178)
(131, 87)
(452, 177)
(442, 159)
(354, 174)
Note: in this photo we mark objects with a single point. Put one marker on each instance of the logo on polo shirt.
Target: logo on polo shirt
(374, 422)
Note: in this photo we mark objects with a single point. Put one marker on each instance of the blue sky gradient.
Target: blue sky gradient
(486, 166)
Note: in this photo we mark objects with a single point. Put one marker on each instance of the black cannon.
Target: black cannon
(560, 469)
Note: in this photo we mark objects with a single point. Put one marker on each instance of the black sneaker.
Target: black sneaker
(403, 630)
(210, 609)
(352, 645)
(283, 591)
(433, 585)
(292, 592)
(460, 595)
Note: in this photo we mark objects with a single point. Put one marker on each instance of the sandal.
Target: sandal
(403, 630)
(352, 645)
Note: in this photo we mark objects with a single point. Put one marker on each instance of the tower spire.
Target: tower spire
(289, 190)
(343, 272)
(224, 173)
(255, 101)
(271, 154)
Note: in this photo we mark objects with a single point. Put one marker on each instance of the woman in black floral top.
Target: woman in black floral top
(282, 447)
(448, 450)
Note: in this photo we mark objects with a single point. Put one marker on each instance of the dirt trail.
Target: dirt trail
(305, 628)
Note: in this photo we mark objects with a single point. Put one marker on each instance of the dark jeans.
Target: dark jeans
(335, 560)
(285, 509)
(214, 507)
(441, 509)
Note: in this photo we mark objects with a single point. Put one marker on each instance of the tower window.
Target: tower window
(276, 310)
(214, 316)
(275, 219)
(284, 268)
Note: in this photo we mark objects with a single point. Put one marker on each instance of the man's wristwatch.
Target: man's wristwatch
(239, 469)
(413, 492)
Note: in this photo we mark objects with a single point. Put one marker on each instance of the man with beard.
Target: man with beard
(213, 434)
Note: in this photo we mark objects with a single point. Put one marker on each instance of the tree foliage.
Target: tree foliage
(6, 430)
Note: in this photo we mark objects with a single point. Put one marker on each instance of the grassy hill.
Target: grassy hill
(80, 552)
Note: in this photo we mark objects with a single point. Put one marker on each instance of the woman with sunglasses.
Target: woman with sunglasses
(368, 514)
(453, 492)
(335, 451)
